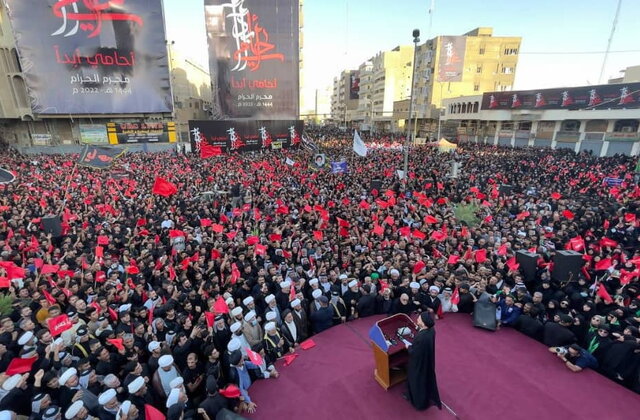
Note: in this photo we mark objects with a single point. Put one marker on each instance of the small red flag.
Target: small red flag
(307, 344)
(418, 234)
(603, 264)
(210, 317)
(502, 250)
(49, 269)
(430, 219)
(59, 324)
(453, 259)
(152, 413)
(116, 342)
(343, 223)
(261, 249)
(481, 256)
(418, 266)
(163, 187)
(220, 307)
(568, 214)
(19, 365)
(389, 220)
(217, 228)
(205, 222)
(364, 205)
(455, 296)
(103, 240)
(207, 150)
(377, 229)
(176, 233)
(318, 235)
(512, 264)
(254, 357)
(252, 240)
(602, 292)
(439, 236)
(231, 391)
(556, 195)
(289, 358)
(274, 237)
(49, 298)
(523, 215)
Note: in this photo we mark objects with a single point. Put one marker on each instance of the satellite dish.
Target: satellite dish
(6, 176)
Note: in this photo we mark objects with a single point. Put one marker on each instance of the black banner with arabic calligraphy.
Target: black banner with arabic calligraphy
(246, 135)
(253, 58)
(93, 57)
(616, 96)
(98, 157)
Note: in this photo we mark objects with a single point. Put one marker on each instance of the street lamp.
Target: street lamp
(416, 39)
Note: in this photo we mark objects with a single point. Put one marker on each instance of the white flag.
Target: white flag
(400, 173)
(290, 162)
(358, 145)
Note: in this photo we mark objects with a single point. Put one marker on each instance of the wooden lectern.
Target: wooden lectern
(389, 351)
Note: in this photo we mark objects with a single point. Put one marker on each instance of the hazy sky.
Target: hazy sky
(340, 34)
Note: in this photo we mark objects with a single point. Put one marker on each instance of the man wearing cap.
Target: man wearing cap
(128, 411)
(282, 297)
(221, 333)
(69, 387)
(272, 306)
(422, 387)
(251, 329)
(351, 298)
(338, 308)
(109, 405)
(300, 315)
(138, 393)
(161, 381)
(236, 331)
(77, 411)
(274, 345)
(250, 304)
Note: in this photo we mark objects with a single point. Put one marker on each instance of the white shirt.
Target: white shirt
(293, 330)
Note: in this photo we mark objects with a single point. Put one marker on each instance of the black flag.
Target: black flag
(99, 157)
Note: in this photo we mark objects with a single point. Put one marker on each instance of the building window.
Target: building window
(570, 125)
(510, 51)
(476, 88)
(507, 70)
(626, 126)
(479, 69)
(481, 52)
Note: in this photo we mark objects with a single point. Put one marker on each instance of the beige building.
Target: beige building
(629, 75)
(343, 104)
(191, 86)
(485, 63)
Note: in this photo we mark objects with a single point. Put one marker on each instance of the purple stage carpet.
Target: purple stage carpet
(481, 375)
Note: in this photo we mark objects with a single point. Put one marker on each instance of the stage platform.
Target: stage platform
(481, 375)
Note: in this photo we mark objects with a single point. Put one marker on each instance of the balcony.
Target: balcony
(571, 136)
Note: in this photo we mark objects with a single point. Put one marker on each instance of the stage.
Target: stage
(481, 375)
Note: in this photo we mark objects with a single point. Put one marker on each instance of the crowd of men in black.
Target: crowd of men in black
(170, 299)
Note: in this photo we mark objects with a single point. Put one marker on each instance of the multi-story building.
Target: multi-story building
(344, 103)
(453, 66)
(602, 119)
(629, 75)
(191, 85)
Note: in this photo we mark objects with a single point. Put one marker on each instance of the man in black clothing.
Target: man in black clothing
(559, 334)
(215, 402)
(467, 300)
(367, 303)
(421, 374)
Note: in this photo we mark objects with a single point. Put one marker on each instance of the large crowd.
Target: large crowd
(148, 304)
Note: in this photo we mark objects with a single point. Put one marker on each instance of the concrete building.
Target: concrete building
(22, 128)
(343, 104)
(191, 86)
(601, 130)
(486, 63)
(629, 75)
(383, 80)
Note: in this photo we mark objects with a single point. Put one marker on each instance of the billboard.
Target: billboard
(141, 132)
(451, 58)
(90, 57)
(246, 135)
(585, 97)
(253, 58)
(354, 84)
(93, 134)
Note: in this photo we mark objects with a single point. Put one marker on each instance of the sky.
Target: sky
(341, 34)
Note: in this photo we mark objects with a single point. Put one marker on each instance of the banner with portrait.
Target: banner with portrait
(253, 58)
(92, 57)
(451, 58)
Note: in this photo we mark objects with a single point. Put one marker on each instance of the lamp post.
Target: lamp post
(439, 113)
(416, 39)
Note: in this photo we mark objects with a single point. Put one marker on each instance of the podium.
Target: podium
(389, 351)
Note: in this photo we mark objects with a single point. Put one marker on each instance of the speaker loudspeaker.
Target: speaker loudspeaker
(566, 264)
(376, 184)
(528, 264)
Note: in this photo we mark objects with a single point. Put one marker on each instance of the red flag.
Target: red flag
(207, 150)
(602, 292)
(455, 296)
(318, 235)
(254, 357)
(418, 234)
(116, 342)
(103, 240)
(577, 243)
(59, 324)
(289, 358)
(419, 266)
(49, 298)
(502, 250)
(405, 231)
(377, 229)
(603, 264)
(608, 242)
(152, 413)
(163, 187)
(261, 249)
(112, 314)
(217, 228)
(453, 259)
(19, 365)
(523, 215)
(231, 392)
(274, 237)
(252, 240)
(439, 236)
(343, 223)
(568, 214)
(556, 195)
(220, 307)
(210, 317)
(205, 222)
(150, 315)
(49, 269)
(100, 276)
(176, 233)
(389, 220)
(481, 256)
(231, 235)
(172, 273)
(364, 205)
(630, 217)
(307, 344)
(5, 283)
(512, 264)
(430, 219)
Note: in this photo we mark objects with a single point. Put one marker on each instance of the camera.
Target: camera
(561, 350)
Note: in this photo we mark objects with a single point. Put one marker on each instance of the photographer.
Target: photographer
(575, 358)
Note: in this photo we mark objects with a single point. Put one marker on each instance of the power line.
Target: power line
(577, 52)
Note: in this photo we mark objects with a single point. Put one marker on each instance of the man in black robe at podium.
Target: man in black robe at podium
(421, 372)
